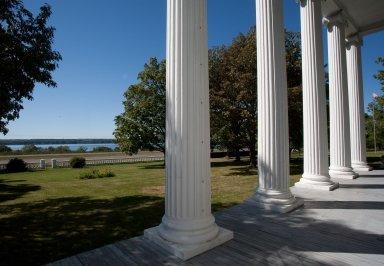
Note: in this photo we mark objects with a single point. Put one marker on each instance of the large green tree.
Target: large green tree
(233, 93)
(233, 99)
(142, 124)
(375, 118)
(233, 96)
(26, 56)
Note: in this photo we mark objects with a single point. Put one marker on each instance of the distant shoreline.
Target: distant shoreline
(55, 141)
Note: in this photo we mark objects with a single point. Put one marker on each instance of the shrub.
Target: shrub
(77, 162)
(5, 149)
(102, 149)
(62, 149)
(30, 148)
(16, 165)
(81, 149)
(97, 173)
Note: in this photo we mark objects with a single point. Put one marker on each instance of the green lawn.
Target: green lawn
(48, 215)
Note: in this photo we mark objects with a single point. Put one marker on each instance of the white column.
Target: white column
(314, 100)
(188, 226)
(273, 155)
(356, 104)
(340, 144)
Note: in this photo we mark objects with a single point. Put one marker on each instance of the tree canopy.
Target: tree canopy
(233, 93)
(375, 118)
(26, 56)
(142, 124)
(233, 99)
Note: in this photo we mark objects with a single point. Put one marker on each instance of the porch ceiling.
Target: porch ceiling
(363, 16)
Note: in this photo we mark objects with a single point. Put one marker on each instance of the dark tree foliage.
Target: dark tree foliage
(295, 118)
(26, 56)
(233, 100)
(233, 93)
(142, 124)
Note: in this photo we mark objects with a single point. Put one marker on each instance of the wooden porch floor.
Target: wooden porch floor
(342, 227)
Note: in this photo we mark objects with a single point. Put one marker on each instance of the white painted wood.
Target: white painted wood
(314, 100)
(363, 16)
(273, 155)
(188, 222)
(340, 145)
(356, 105)
(42, 163)
(53, 163)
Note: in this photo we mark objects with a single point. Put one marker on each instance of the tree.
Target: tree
(234, 96)
(5, 149)
(375, 118)
(380, 74)
(233, 100)
(30, 148)
(142, 124)
(233, 92)
(26, 56)
(295, 118)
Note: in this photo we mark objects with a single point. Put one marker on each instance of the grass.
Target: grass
(48, 215)
(96, 173)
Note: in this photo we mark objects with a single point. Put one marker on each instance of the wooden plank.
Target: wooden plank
(301, 240)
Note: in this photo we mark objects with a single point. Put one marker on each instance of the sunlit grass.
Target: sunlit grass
(51, 214)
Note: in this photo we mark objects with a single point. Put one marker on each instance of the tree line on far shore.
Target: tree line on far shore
(33, 149)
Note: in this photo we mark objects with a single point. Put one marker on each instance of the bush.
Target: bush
(81, 149)
(97, 173)
(77, 162)
(16, 165)
(102, 149)
(5, 149)
(30, 148)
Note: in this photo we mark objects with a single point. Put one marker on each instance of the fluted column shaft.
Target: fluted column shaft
(314, 99)
(188, 226)
(188, 190)
(273, 154)
(356, 105)
(340, 145)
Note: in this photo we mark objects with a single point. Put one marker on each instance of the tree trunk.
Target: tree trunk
(237, 155)
(252, 150)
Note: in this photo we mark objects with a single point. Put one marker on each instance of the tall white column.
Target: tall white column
(340, 144)
(273, 155)
(188, 226)
(356, 104)
(314, 100)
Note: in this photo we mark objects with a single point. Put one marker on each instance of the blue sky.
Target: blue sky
(105, 44)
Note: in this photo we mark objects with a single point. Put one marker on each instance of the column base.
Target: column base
(361, 167)
(342, 172)
(187, 251)
(307, 183)
(276, 201)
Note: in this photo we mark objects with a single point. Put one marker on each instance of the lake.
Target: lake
(72, 147)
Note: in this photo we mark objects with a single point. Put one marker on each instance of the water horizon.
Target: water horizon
(71, 146)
